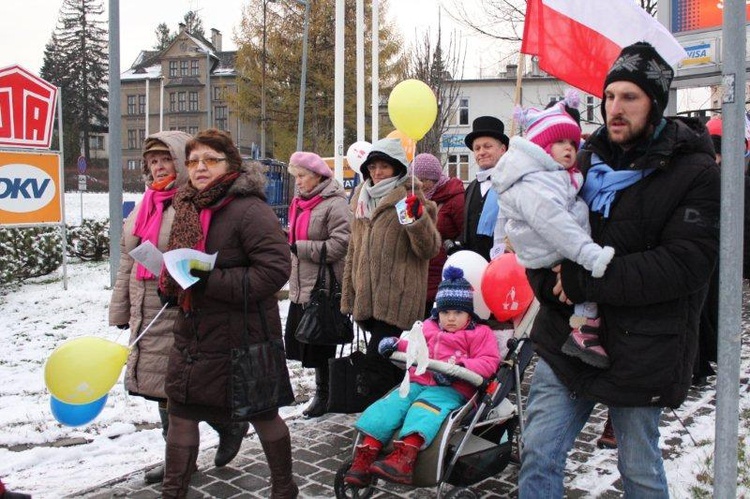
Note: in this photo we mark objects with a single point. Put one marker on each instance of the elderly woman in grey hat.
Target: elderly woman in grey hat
(393, 239)
(318, 217)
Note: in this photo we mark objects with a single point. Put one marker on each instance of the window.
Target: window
(141, 137)
(96, 142)
(134, 164)
(173, 101)
(193, 101)
(589, 108)
(458, 166)
(131, 104)
(184, 68)
(192, 130)
(142, 104)
(181, 96)
(172, 69)
(194, 67)
(220, 117)
(132, 139)
(218, 93)
(463, 111)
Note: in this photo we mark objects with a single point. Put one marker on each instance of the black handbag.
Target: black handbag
(322, 322)
(260, 379)
(357, 380)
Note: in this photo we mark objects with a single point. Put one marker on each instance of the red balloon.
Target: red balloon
(505, 289)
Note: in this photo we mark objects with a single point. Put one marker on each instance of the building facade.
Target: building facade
(496, 97)
(187, 86)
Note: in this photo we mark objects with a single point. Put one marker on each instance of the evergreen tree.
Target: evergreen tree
(193, 23)
(284, 31)
(163, 37)
(76, 60)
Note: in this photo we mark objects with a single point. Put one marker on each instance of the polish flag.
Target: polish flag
(578, 40)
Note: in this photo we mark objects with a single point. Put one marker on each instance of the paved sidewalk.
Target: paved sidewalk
(321, 446)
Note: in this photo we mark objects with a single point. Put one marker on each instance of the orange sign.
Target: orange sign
(690, 15)
(30, 188)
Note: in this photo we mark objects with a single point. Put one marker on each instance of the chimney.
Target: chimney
(182, 27)
(216, 39)
(510, 70)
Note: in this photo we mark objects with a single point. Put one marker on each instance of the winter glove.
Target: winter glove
(443, 379)
(293, 248)
(414, 207)
(387, 346)
(202, 275)
(169, 301)
(451, 246)
(123, 326)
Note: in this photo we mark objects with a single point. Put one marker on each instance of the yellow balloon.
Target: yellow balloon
(408, 144)
(84, 369)
(412, 107)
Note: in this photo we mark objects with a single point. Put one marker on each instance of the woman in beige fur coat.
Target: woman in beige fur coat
(393, 239)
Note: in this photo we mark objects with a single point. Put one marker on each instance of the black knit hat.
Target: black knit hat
(641, 64)
(454, 293)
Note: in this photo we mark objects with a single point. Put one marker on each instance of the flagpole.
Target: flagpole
(517, 95)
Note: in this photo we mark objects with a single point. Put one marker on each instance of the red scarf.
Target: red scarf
(148, 221)
(299, 217)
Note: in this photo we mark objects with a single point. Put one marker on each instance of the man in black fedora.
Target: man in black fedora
(488, 142)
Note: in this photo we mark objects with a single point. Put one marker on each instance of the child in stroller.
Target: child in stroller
(453, 336)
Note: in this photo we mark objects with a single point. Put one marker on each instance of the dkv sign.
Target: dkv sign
(30, 188)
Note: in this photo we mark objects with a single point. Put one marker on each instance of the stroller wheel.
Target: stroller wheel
(460, 493)
(345, 491)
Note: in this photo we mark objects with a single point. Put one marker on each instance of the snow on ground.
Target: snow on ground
(48, 460)
(37, 454)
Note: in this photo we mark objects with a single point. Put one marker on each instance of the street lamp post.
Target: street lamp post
(208, 83)
(263, 86)
(303, 77)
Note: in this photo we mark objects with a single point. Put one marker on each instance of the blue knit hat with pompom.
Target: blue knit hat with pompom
(455, 292)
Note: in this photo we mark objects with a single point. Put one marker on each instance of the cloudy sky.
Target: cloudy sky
(27, 25)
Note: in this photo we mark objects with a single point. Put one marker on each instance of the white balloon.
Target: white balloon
(357, 153)
(473, 265)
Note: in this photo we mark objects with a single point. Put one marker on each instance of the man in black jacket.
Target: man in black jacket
(653, 190)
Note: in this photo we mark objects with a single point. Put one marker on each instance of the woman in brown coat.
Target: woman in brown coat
(393, 239)
(135, 302)
(222, 210)
(318, 216)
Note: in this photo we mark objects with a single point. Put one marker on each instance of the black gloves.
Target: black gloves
(202, 275)
(451, 246)
(123, 326)
(293, 248)
(169, 301)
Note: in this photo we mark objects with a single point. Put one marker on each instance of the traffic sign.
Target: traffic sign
(82, 182)
(81, 164)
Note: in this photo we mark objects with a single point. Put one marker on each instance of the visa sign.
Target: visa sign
(30, 188)
(27, 109)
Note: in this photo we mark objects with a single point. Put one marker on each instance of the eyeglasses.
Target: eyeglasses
(209, 162)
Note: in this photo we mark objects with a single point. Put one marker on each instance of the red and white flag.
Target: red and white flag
(578, 40)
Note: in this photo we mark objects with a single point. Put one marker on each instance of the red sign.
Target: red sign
(691, 15)
(27, 109)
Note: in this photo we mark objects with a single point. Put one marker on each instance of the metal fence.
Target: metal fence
(279, 189)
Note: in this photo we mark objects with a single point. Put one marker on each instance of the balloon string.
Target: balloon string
(149, 325)
(413, 150)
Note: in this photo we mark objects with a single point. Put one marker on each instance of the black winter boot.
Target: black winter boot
(279, 457)
(156, 475)
(230, 441)
(319, 404)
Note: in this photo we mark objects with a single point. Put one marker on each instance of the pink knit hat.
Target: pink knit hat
(425, 165)
(312, 162)
(545, 127)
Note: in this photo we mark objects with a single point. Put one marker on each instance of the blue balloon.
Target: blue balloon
(75, 414)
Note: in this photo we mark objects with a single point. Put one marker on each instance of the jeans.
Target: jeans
(555, 417)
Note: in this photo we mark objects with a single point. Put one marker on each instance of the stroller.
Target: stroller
(475, 441)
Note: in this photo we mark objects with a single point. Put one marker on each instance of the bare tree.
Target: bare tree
(442, 69)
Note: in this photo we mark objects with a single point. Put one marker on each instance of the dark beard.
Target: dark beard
(639, 138)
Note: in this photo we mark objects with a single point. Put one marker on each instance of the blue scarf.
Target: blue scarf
(488, 218)
(602, 184)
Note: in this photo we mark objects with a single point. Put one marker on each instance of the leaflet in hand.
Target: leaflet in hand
(149, 256)
(181, 261)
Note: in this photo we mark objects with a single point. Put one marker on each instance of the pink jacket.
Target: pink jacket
(475, 349)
